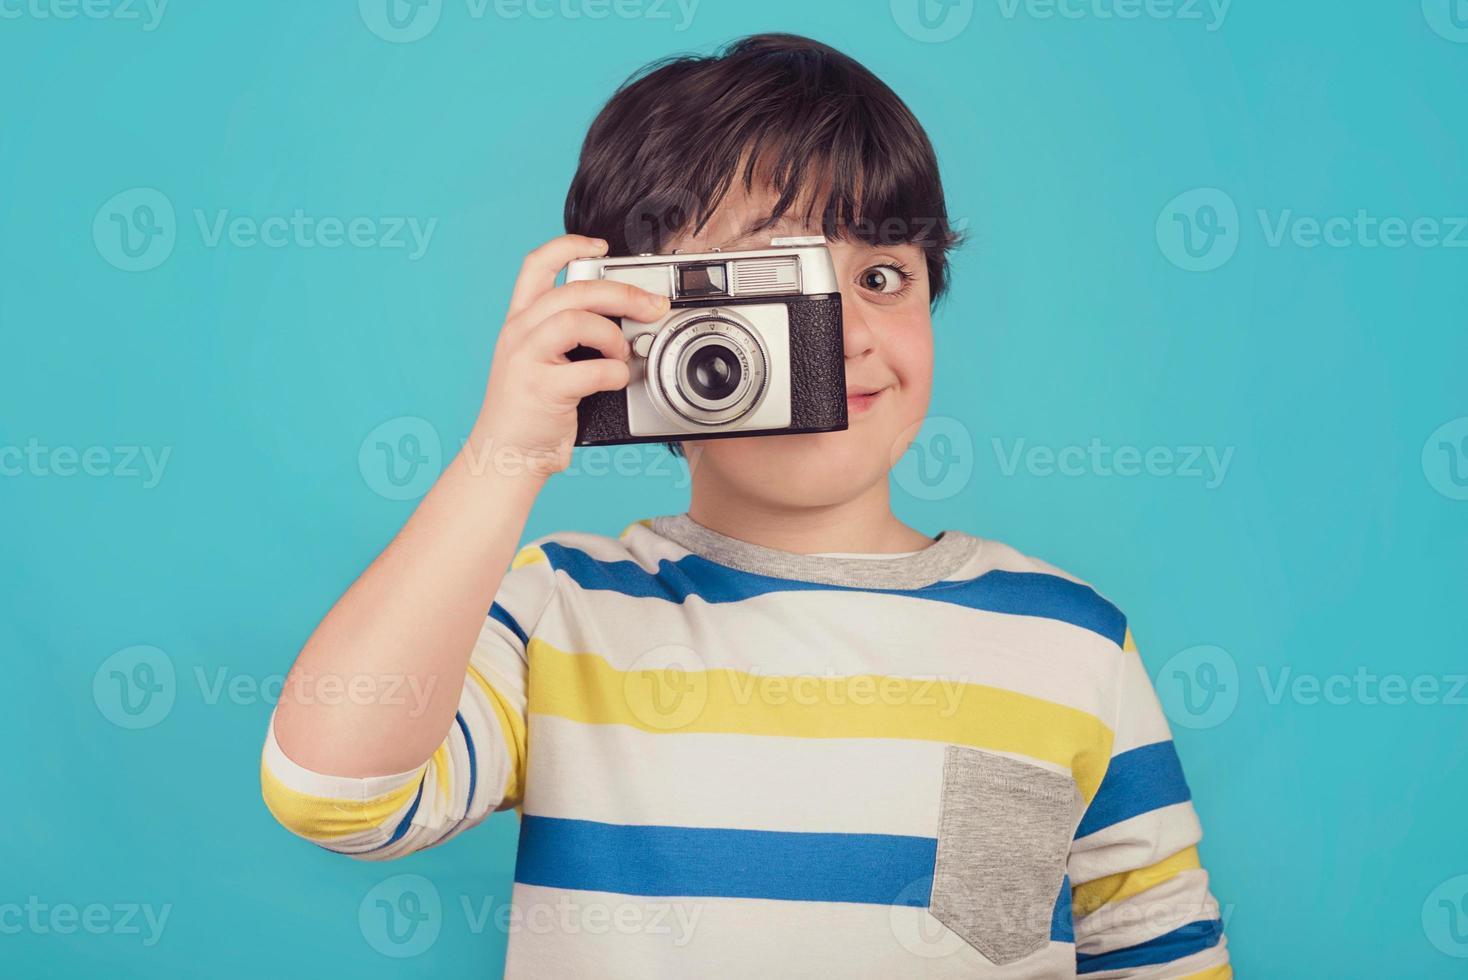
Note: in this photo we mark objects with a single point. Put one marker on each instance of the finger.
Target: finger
(549, 341)
(538, 272)
(574, 381)
(604, 296)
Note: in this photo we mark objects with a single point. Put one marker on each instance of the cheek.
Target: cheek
(909, 354)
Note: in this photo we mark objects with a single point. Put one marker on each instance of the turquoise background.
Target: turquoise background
(1333, 543)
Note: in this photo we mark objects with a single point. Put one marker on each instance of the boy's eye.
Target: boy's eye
(883, 279)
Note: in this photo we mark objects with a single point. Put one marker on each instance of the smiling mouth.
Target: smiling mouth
(858, 402)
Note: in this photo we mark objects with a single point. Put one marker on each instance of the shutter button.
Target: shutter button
(642, 344)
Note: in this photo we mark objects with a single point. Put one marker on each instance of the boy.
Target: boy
(782, 733)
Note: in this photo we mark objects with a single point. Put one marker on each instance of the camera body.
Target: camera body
(751, 345)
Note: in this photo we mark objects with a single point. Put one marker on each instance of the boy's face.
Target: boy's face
(889, 350)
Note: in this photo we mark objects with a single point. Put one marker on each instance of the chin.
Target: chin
(808, 470)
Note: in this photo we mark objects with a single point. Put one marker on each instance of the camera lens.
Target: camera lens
(713, 372)
(707, 367)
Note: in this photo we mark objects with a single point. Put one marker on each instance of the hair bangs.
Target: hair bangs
(837, 148)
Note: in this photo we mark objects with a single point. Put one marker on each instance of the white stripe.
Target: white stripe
(737, 781)
(1139, 842)
(1155, 912)
(749, 782)
(312, 783)
(859, 633)
(563, 933)
(1185, 967)
(1141, 721)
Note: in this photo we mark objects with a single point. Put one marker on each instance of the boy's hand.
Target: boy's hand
(529, 411)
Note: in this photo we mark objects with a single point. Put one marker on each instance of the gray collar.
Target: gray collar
(934, 563)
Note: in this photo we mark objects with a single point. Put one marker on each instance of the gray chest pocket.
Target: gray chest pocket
(1004, 832)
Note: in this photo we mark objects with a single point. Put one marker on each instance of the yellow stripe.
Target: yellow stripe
(1128, 643)
(645, 522)
(528, 555)
(1224, 972)
(584, 687)
(1089, 897)
(512, 726)
(323, 818)
(441, 768)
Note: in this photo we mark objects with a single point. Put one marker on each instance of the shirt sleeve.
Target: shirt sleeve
(477, 769)
(1140, 899)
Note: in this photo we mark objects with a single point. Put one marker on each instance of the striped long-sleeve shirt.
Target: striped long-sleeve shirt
(736, 761)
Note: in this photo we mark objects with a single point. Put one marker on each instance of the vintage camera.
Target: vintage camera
(751, 345)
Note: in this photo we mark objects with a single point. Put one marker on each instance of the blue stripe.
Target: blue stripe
(871, 869)
(1014, 593)
(1062, 925)
(499, 612)
(1191, 938)
(407, 820)
(874, 869)
(469, 744)
(1136, 782)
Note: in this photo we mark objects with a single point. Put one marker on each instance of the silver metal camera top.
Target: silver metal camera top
(784, 270)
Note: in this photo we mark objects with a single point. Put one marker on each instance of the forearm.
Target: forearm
(376, 687)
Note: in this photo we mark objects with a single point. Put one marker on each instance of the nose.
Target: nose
(856, 334)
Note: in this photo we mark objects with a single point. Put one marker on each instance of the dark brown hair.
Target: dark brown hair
(828, 136)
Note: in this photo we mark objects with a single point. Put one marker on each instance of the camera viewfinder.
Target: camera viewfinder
(707, 279)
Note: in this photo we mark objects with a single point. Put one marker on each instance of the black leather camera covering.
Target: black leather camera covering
(817, 380)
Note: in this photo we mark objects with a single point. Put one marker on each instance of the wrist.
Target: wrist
(488, 455)
(485, 461)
